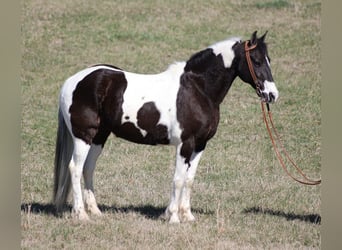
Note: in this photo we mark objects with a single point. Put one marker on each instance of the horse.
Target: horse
(178, 107)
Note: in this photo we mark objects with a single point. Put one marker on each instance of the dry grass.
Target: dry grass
(242, 199)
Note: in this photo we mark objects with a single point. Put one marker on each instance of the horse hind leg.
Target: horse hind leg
(78, 159)
(88, 171)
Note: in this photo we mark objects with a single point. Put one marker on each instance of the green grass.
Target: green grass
(242, 199)
(276, 4)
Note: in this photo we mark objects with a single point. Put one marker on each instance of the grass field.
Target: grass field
(242, 199)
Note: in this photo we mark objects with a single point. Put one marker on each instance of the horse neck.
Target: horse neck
(216, 79)
(223, 85)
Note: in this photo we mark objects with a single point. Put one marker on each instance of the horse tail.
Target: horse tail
(63, 154)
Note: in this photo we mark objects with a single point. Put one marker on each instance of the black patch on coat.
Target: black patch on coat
(96, 105)
(147, 118)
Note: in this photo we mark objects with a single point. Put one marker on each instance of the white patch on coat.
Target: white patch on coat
(162, 90)
(225, 48)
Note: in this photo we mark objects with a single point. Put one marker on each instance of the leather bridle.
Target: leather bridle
(251, 68)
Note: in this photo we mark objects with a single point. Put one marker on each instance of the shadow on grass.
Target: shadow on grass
(311, 218)
(38, 208)
(149, 211)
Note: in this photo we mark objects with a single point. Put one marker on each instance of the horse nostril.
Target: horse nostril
(272, 97)
(264, 97)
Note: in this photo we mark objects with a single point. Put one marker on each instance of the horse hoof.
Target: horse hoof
(174, 219)
(98, 213)
(188, 218)
(81, 215)
(94, 210)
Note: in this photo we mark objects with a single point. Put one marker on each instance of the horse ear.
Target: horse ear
(253, 40)
(262, 38)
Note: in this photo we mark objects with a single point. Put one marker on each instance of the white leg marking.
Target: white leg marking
(177, 185)
(90, 203)
(185, 208)
(88, 171)
(179, 208)
(79, 156)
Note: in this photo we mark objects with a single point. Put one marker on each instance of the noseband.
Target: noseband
(250, 67)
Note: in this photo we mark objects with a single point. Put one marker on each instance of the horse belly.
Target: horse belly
(145, 126)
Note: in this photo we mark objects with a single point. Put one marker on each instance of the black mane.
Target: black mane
(207, 71)
(204, 60)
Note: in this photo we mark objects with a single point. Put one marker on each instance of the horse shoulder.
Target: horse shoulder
(195, 110)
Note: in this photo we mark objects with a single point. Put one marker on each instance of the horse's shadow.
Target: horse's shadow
(311, 218)
(149, 211)
(154, 212)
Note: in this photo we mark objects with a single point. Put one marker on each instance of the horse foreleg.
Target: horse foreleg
(184, 207)
(177, 185)
(78, 159)
(88, 172)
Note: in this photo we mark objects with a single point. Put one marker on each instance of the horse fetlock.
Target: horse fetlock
(174, 216)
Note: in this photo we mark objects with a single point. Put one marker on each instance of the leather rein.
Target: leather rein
(270, 126)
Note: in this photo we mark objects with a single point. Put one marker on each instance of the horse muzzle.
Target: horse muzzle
(270, 92)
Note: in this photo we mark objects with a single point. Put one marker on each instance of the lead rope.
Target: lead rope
(273, 140)
(280, 158)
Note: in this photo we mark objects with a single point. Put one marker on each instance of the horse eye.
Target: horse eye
(257, 63)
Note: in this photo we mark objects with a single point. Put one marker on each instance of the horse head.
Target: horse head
(254, 67)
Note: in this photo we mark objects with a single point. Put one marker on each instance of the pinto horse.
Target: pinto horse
(179, 107)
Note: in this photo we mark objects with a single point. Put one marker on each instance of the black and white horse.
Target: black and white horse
(179, 107)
